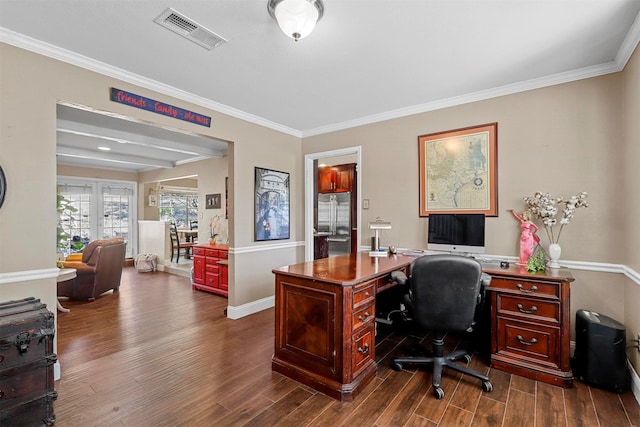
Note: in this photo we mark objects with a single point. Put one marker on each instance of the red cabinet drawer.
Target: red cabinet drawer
(212, 268)
(198, 250)
(211, 253)
(212, 279)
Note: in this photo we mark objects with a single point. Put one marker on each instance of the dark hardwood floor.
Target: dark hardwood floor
(159, 354)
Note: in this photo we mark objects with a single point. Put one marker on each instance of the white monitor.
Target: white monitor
(456, 233)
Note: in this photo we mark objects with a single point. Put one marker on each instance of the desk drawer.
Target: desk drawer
(523, 340)
(363, 316)
(528, 308)
(363, 349)
(197, 250)
(364, 294)
(526, 287)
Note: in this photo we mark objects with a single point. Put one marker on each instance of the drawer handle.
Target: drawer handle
(522, 310)
(367, 294)
(364, 350)
(365, 317)
(526, 291)
(523, 342)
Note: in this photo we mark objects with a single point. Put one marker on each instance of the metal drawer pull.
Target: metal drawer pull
(523, 342)
(363, 350)
(533, 288)
(365, 317)
(522, 310)
(367, 294)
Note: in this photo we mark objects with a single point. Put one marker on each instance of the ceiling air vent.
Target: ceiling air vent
(189, 29)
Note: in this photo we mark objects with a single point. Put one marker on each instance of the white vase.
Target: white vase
(554, 254)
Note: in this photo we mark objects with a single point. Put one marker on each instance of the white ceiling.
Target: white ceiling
(367, 60)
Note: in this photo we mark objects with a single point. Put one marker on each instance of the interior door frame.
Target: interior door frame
(309, 193)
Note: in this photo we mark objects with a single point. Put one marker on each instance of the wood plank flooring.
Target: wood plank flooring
(159, 354)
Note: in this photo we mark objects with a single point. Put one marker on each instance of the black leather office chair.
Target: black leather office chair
(443, 296)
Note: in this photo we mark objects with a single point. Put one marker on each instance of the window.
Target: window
(100, 210)
(180, 208)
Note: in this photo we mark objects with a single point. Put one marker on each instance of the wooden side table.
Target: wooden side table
(65, 274)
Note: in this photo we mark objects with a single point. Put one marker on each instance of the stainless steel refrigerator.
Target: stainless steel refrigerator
(334, 219)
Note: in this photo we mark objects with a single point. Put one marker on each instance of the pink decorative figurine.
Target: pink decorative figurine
(528, 238)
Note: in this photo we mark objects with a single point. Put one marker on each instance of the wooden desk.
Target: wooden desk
(325, 321)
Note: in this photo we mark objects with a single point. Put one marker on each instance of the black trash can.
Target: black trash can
(600, 355)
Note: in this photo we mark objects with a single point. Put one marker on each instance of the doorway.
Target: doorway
(310, 172)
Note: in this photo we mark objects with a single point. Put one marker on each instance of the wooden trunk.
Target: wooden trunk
(26, 364)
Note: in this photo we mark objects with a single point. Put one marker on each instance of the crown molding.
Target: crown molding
(556, 79)
(55, 52)
(622, 57)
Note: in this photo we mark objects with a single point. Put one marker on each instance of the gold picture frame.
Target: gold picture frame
(458, 171)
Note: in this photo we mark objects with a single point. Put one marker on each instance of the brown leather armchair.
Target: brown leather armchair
(98, 269)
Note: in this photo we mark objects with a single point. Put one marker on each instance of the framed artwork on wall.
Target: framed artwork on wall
(271, 216)
(213, 201)
(458, 171)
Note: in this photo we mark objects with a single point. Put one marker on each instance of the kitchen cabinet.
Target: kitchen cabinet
(336, 179)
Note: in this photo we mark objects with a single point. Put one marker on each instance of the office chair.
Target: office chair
(442, 296)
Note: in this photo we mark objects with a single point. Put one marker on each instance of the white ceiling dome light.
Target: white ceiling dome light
(296, 18)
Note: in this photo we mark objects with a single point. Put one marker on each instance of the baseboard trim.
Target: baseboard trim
(635, 382)
(250, 308)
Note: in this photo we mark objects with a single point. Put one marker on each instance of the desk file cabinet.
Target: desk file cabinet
(530, 324)
(26, 364)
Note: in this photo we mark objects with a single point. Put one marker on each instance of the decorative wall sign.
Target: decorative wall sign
(271, 204)
(158, 107)
(212, 201)
(458, 171)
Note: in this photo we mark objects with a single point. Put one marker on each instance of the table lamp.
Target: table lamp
(377, 225)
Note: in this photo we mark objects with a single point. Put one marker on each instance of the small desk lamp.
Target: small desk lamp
(378, 224)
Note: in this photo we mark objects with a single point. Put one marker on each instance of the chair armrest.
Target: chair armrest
(399, 277)
(74, 257)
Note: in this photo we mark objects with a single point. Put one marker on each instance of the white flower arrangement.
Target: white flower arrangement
(213, 225)
(545, 208)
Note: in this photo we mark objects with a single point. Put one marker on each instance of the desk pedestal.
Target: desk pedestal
(325, 321)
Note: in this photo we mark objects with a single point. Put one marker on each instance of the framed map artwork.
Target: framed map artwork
(458, 171)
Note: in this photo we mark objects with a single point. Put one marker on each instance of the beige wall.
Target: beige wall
(31, 85)
(579, 136)
(629, 204)
(548, 140)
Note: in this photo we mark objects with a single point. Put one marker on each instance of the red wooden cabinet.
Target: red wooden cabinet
(210, 269)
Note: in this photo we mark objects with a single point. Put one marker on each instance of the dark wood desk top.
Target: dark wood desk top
(351, 269)
(346, 270)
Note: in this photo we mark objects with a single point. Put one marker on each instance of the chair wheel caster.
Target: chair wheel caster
(467, 359)
(438, 392)
(397, 366)
(487, 386)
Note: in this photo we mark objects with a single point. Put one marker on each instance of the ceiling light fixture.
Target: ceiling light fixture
(296, 18)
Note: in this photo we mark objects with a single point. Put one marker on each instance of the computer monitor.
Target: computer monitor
(461, 233)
